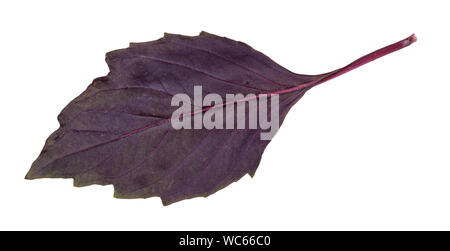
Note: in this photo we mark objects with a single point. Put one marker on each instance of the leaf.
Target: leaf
(119, 131)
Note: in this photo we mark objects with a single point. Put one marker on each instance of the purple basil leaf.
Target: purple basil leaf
(118, 131)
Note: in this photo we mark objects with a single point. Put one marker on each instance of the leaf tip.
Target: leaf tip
(31, 175)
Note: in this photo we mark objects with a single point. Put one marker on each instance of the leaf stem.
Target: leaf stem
(355, 64)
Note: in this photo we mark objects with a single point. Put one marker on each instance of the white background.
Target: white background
(366, 151)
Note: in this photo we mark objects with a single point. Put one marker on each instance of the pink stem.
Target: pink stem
(355, 64)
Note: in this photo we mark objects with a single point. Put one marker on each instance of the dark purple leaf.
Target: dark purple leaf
(118, 131)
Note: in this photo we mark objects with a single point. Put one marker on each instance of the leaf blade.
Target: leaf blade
(118, 132)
